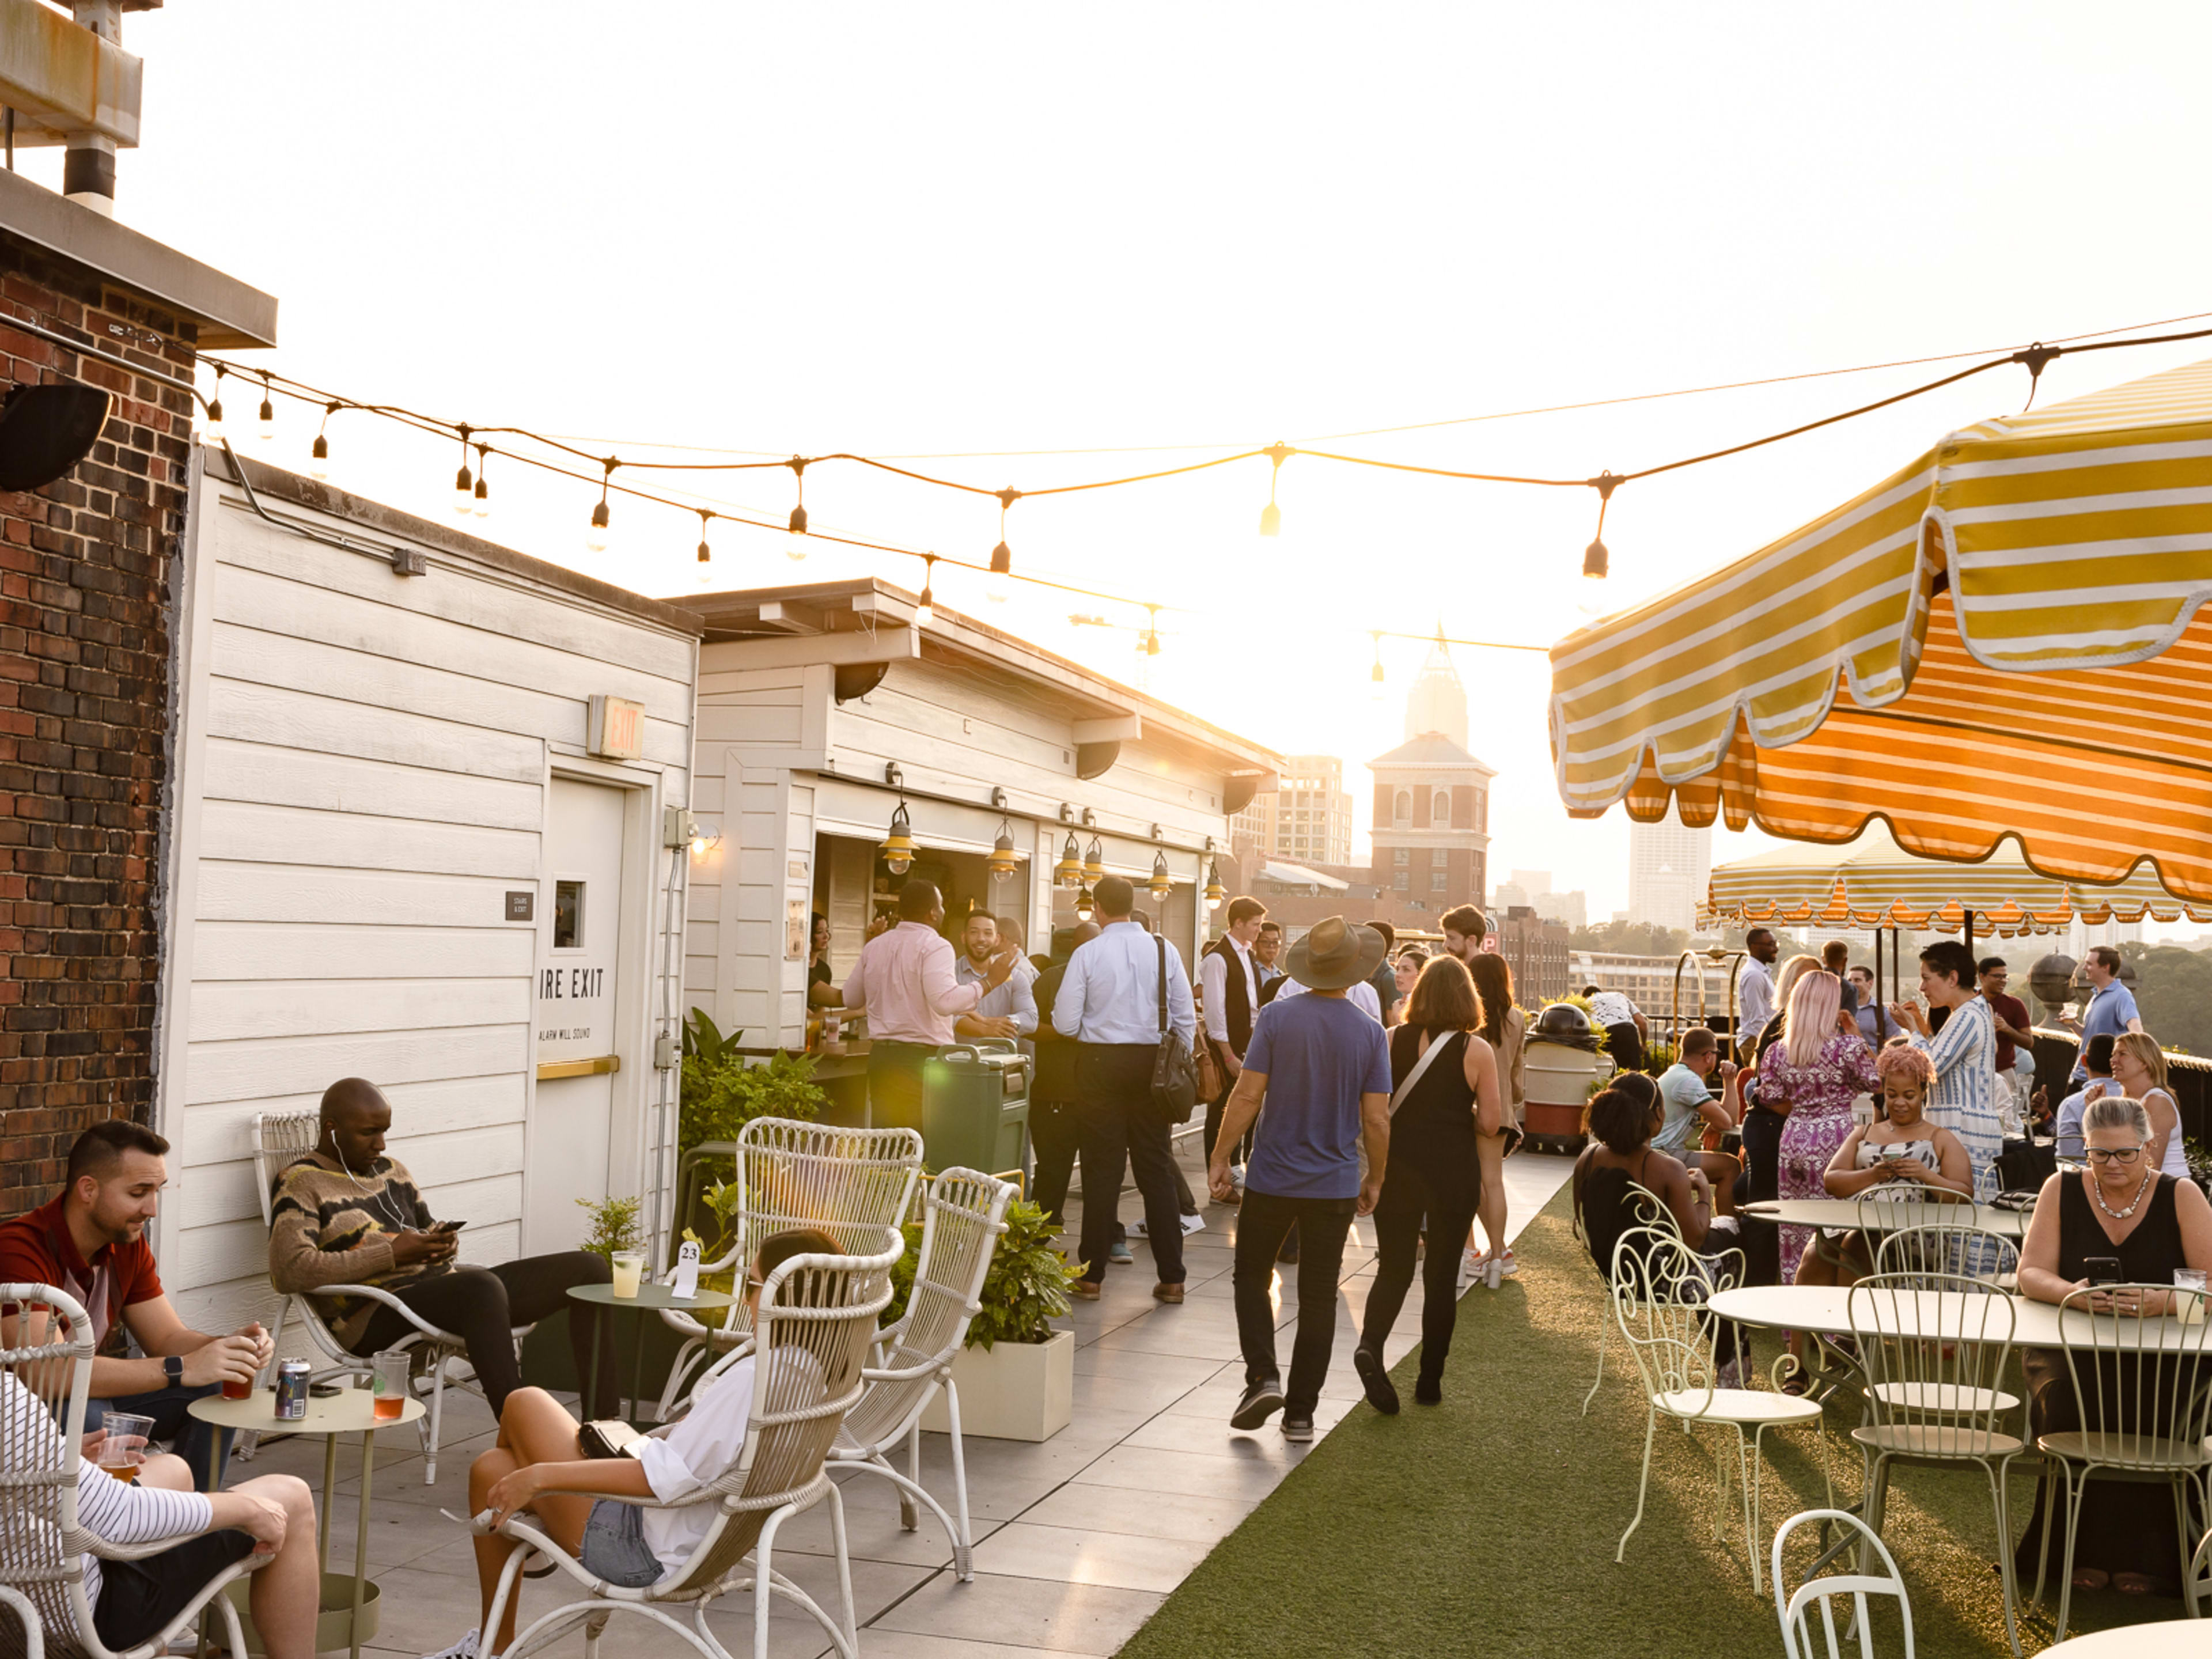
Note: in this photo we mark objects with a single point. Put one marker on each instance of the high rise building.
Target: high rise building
(1307, 819)
(1670, 868)
(1437, 702)
(1431, 835)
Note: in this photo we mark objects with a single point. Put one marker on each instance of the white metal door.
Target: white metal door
(579, 969)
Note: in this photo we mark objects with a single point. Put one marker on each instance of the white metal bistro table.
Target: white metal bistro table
(2169, 1638)
(1825, 1310)
(1839, 1213)
(351, 1411)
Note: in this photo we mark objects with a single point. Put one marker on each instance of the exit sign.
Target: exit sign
(616, 730)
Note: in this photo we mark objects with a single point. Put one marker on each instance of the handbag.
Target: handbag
(1213, 1077)
(608, 1437)
(1175, 1068)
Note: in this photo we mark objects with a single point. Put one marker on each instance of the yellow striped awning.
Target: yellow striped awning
(1874, 883)
(2003, 639)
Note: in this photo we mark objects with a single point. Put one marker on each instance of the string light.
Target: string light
(1594, 557)
(795, 549)
(483, 483)
(1271, 516)
(464, 481)
(1377, 675)
(596, 537)
(926, 612)
(215, 404)
(267, 423)
(319, 457)
(705, 552)
(1002, 556)
(1148, 642)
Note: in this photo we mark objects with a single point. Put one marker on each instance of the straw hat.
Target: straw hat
(1334, 954)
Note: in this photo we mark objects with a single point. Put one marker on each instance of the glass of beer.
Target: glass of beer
(122, 1445)
(629, 1271)
(389, 1382)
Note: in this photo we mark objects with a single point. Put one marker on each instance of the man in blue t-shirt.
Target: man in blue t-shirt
(2111, 1009)
(1322, 1067)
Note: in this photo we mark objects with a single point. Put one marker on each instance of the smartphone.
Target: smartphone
(2103, 1269)
(448, 1226)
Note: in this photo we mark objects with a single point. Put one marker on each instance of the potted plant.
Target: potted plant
(1017, 1374)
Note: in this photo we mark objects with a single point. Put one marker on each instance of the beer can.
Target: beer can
(292, 1390)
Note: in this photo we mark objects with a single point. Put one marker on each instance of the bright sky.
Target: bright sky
(904, 231)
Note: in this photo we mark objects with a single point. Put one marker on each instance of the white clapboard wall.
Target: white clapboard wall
(364, 763)
(779, 756)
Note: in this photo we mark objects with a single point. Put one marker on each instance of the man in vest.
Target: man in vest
(1228, 998)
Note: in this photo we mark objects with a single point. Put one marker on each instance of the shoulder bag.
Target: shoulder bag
(1175, 1068)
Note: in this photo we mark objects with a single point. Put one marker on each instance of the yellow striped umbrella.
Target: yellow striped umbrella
(2002, 639)
(1874, 883)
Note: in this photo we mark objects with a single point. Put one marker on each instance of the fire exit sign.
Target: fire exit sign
(616, 729)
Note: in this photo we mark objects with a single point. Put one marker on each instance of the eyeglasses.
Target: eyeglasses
(2114, 1154)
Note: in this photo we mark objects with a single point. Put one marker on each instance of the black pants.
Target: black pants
(1624, 1044)
(1261, 1225)
(895, 1083)
(1122, 1129)
(202, 1446)
(1761, 1179)
(1409, 1201)
(483, 1305)
(136, 1598)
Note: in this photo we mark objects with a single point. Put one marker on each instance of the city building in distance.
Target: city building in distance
(1307, 820)
(1670, 868)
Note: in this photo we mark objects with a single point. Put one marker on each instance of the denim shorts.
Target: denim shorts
(615, 1549)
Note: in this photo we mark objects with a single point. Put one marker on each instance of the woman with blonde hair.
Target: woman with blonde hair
(2139, 1072)
(1811, 1077)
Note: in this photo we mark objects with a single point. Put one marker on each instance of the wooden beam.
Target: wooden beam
(1115, 728)
(799, 650)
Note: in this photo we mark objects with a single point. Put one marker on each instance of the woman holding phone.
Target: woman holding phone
(2117, 1222)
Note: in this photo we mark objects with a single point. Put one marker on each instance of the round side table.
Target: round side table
(650, 1297)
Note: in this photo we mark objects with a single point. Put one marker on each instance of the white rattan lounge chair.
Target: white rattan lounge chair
(42, 1545)
(966, 1213)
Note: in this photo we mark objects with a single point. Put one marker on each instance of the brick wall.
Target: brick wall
(84, 693)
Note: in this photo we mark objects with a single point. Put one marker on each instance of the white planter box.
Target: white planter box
(1011, 1390)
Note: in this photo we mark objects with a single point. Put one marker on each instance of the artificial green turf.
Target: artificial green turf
(1487, 1525)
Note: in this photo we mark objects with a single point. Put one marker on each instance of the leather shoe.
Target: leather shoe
(1167, 1292)
(1083, 1290)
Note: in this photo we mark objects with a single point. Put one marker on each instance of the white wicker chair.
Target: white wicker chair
(1796, 1635)
(281, 1138)
(1659, 1286)
(854, 1184)
(42, 1544)
(818, 1320)
(966, 1213)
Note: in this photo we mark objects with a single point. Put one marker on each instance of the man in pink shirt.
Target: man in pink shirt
(905, 982)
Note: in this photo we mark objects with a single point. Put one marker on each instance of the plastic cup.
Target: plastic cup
(123, 1448)
(2191, 1308)
(388, 1383)
(630, 1273)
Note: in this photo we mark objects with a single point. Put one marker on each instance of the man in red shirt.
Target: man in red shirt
(91, 1243)
(2010, 1016)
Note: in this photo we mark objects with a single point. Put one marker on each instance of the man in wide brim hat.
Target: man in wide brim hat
(1335, 955)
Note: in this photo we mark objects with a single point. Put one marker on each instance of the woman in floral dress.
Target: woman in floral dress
(1818, 1071)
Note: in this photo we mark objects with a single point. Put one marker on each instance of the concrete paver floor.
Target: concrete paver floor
(1078, 1539)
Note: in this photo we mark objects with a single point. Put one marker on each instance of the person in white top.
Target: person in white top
(1755, 995)
(1229, 1001)
(539, 1466)
(1361, 996)
(2139, 1072)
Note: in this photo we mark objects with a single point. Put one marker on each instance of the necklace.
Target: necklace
(2097, 1191)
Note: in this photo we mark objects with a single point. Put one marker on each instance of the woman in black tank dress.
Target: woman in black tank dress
(2119, 1208)
(1434, 1177)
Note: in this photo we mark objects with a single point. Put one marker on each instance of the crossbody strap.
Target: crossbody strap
(1162, 945)
(1398, 1096)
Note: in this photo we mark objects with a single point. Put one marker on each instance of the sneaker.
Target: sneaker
(1508, 1265)
(1375, 1381)
(1297, 1425)
(1261, 1401)
(1192, 1224)
(1119, 1249)
(463, 1649)
(1137, 1228)
(1472, 1264)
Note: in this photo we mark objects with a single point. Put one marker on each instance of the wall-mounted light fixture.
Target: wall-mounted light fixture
(1094, 861)
(1162, 883)
(1083, 904)
(1067, 812)
(1002, 862)
(705, 836)
(1090, 818)
(1214, 892)
(1069, 871)
(892, 775)
(999, 797)
(898, 847)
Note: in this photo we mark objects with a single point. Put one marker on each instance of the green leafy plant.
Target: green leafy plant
(614, 1225)
(1024, 1291)
(723, 1092)
(704, 1038)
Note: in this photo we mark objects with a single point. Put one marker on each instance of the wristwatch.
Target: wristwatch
(174, 1366)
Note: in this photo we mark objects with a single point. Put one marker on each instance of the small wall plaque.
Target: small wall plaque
(522, 906)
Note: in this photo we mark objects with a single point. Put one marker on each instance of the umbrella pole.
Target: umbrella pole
(1970, 933)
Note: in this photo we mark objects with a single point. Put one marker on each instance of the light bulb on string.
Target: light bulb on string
(266, 426)
(706, 553)
(1148, 643)
(215, 407)
(795, 549)
(482, 498)
(1271, 516)
(463, 480)
(320, 456)
(596, 537)
(1596, 560)
(926, 612)
(1376, 675)
(995, 587)
(1084, 904)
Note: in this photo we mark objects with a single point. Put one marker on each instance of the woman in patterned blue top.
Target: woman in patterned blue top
(1964, 1054)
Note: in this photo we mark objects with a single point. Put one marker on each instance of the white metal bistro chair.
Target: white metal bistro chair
(42, 1543)
(1796, 1634)
(1933, 1367)
(854, 1184)
(1940, 1249)
(2142, 1393)
(281, 1138)
(1726, 1267)
(818, 1320)
(965, 1215)
(1658, 1300)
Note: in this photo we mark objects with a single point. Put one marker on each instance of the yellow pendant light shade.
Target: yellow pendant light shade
(898, 848)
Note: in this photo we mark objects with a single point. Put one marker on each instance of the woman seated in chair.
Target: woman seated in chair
(539, 1466)
(2119, 1210)
(134, 1601)
(1901, 1150)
